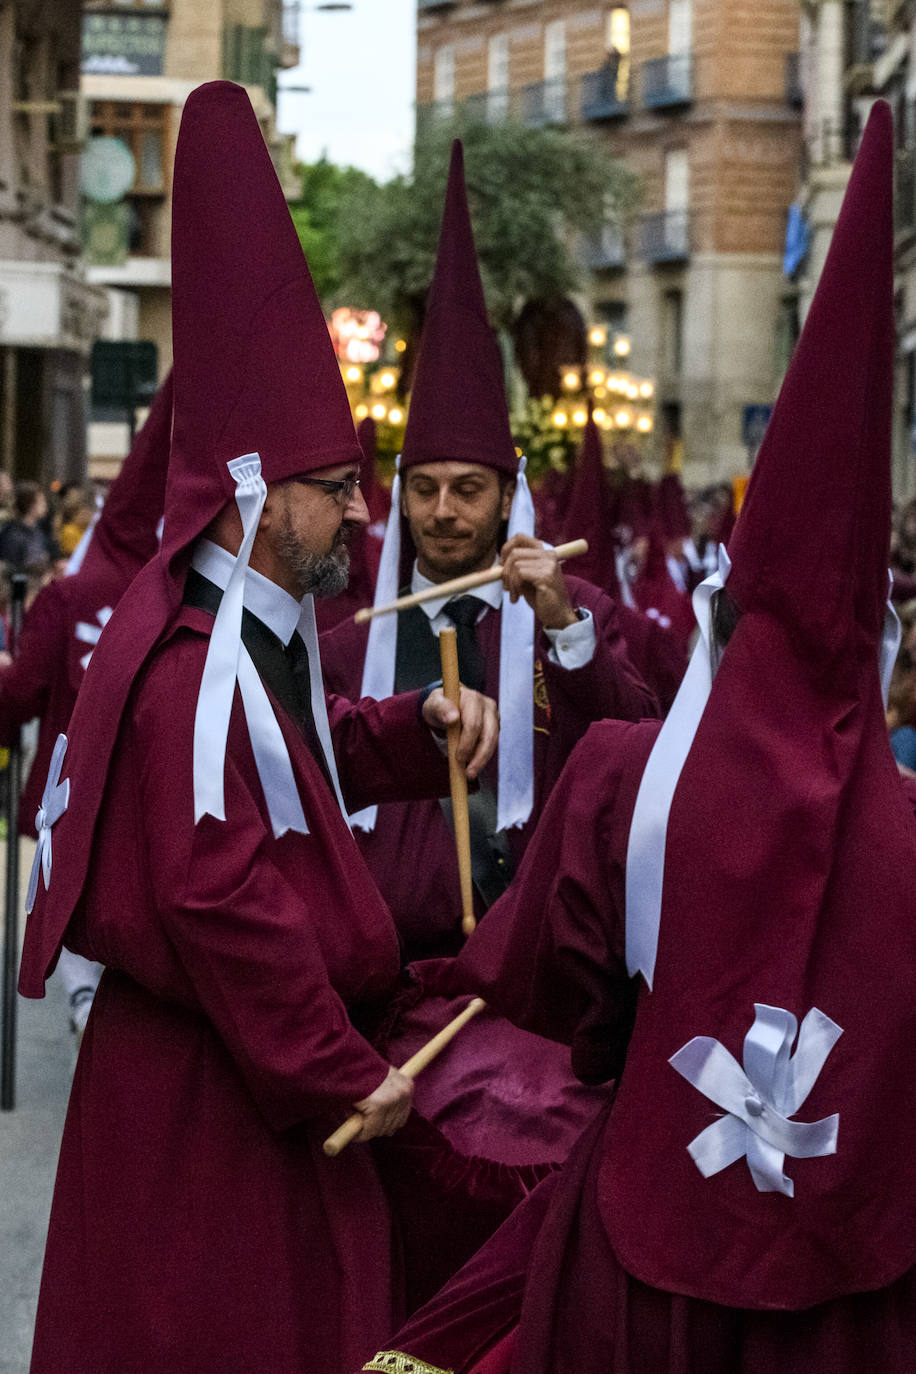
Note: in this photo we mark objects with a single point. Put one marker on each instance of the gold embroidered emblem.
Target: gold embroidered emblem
(541, 699)
(395, 1362)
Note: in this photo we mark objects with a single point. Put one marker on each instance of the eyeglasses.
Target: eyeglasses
(344, 488)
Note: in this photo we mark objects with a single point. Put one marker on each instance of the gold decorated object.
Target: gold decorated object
(395, 1362)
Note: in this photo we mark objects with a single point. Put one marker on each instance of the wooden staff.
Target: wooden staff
(448, 650)
(459, 584)
(424, 1055)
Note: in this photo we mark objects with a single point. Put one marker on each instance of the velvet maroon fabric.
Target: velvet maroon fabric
(458, 404)
(671, 507)
(591, 514)
(126, 534)
(551, 497)
(655, 593)
(220, 1054)
(49, 666)
(790, 855)
(255, 371)
(496, 1112)
(375, 493)
(196, 1224)
(424, 899)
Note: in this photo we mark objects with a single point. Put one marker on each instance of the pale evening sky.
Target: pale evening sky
(360, 67)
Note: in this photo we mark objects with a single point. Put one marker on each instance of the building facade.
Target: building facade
(141, 59)
(701, 97)
(49, 314)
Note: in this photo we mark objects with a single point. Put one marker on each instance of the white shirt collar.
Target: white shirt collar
(490, 592)
(269, 603)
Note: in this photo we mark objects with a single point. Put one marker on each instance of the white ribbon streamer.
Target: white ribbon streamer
(649, 826)
(761, 1097)
(271, 757)
(515, 757)
(54, 801)
(228, 662)
(382, 646)
(890, 644)
(308, 630)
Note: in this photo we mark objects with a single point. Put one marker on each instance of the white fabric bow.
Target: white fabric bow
(54, 802)
(761, 1097)
(649, 826)
(228, 662)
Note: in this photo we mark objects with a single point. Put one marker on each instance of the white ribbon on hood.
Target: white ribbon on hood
(761, 1097)
(515, 795)
(54, 801)
(645, 870)
(890, 644)
(228, 662)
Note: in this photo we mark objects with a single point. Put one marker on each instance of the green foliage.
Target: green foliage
(316, 215)
(530, 191)
(545, 446)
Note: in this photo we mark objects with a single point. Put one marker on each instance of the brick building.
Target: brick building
(48, 313)
(141, 59)
(701, 98)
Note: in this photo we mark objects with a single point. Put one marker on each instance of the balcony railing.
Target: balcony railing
(667, 82)
(795, 96)
(544, 102)
(487, 107)
(430, 5)
(602, 97)
(665, 237)
(605, 252)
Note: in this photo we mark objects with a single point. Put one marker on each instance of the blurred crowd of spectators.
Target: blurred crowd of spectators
(38, 533)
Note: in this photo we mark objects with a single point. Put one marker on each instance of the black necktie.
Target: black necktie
(464, 612)
(297, 656)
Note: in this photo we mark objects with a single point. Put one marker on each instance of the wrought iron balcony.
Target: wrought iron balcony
(667, 82)
(665, 237)
(605, 252)
(794, 94)
(487, 107)
(601, 95)
(544, 102)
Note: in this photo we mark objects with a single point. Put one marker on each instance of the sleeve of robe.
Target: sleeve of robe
(385, 751)
(608, 687)
(549, 956)
(26, 683)
(241, 932)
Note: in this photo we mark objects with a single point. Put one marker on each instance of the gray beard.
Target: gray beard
(322, 574)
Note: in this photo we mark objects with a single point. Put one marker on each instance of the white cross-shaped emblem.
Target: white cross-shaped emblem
(90, 634)
(54, 802)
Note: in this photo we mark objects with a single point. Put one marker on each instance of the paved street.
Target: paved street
(29, 1140)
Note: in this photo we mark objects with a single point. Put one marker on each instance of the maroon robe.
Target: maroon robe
(46, 674)
(549, 1293)
(425, 898)
(196, 1224)
(53, 649)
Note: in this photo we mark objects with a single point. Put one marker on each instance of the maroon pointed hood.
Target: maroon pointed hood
(375, 494)
(811, 545)
(126, 534)
(458, 404)
(255, 370)
(590, 513)
(788, 854)
(671, 507)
